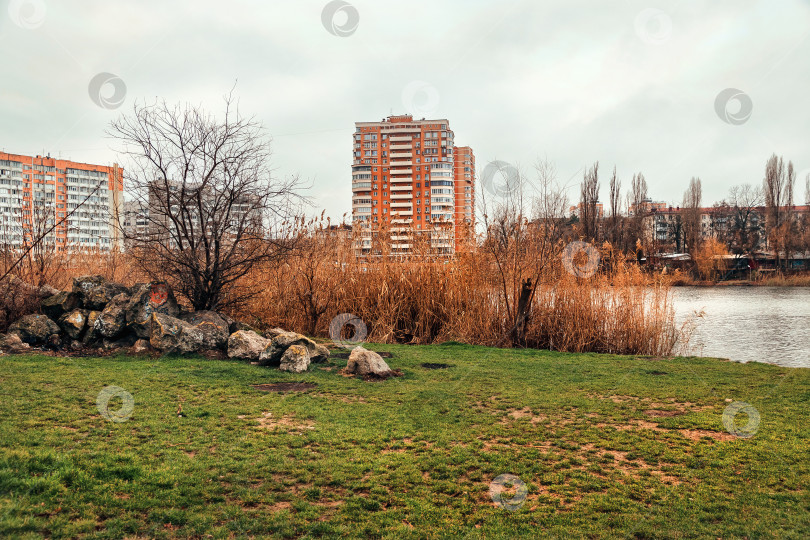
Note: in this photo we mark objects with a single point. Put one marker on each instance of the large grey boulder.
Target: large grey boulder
(34, 329)
(213, 326)
(46, 291)
(96, 291)
(91, 334)
(246, 345)
(365, 362)
(123, 342)
(170, 334)
(274, 332)
(295, 359)
(111, 322)
(146, 299)
(271, 355)
(235, 326)
(73, 323)
(13, 344)
(60, 303)
(141, 346)
(321, 353)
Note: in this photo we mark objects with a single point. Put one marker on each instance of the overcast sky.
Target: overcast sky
(627, 83)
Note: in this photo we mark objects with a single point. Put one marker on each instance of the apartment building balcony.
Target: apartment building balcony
(401, 204)
(400, 138)
(401, 163)
(398, 195)
(400, 172)
(401, 188)
(395, 147)
(404, 129)
(395, 155)
(403, 221)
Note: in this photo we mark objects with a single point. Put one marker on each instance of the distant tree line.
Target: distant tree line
(750, 219)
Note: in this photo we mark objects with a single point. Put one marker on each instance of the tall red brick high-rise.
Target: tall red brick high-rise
(409, 178)
(464, 170)
(37, 191)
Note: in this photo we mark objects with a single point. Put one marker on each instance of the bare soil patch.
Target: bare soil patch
(697, 434)
(524, 414)
(287, 422)
(285, 387)
(663, 414)
(373, 377)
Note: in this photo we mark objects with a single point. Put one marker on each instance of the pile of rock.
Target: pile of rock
(289, 351)
(98, 313)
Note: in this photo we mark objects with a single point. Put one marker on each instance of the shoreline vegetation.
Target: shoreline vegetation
(604, 446)
(473, 298)
(617, 309)
(797, 280)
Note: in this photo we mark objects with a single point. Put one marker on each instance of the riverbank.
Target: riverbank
(606, 446)
(777, 281)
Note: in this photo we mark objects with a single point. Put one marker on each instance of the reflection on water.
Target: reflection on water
(748, 324)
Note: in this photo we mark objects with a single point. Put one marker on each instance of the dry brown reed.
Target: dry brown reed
(423, 299)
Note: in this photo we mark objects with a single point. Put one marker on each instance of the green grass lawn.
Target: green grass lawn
(606, 446)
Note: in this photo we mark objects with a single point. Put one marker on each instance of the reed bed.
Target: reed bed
(423, 299)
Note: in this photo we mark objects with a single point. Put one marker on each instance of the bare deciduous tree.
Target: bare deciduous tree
(214, 207)
(589, 199)
(692, 225)
(637, 202)
(744, 228)
(615, 222)
(805, 221)
(778, 186)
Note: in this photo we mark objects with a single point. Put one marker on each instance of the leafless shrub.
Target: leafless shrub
(215, 210)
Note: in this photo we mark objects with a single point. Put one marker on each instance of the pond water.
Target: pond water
(748, 324)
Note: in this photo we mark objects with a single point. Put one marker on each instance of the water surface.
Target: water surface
(748, 324)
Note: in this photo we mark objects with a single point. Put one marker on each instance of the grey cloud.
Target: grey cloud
(572, 81)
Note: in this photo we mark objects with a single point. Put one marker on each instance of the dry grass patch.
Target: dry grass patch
(286, 422)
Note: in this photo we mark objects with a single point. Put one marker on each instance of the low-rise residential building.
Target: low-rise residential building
(664, 226)
(576, 211)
